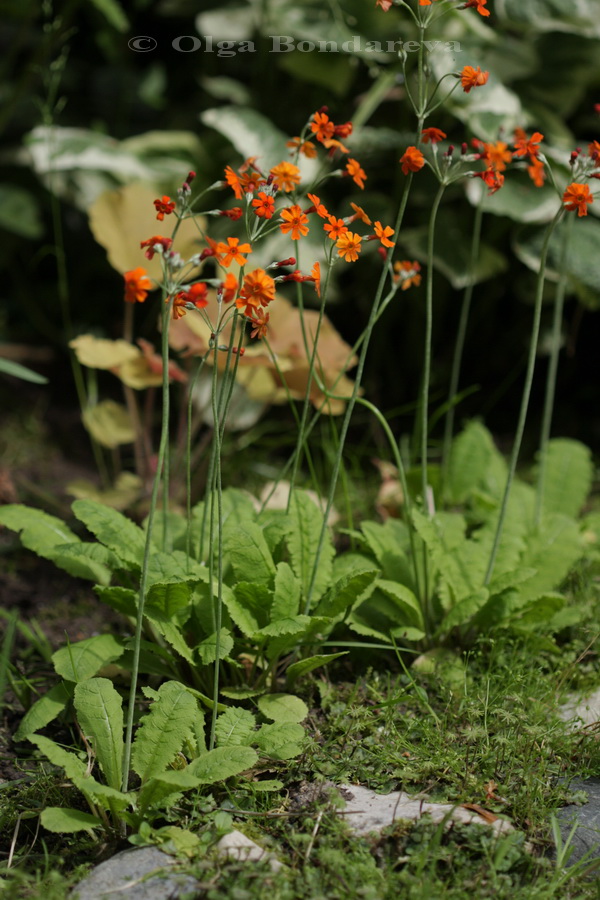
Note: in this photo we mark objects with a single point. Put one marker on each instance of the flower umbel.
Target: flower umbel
(578, 196)
(137, 285)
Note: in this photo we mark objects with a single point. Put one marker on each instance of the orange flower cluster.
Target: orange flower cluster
(328, 133)
(530, 148)
(407, 273)
(258, 290)
(294, 221)
(197, 295)
(578, 196)
(412, 160)
(137, 285)
(157, 241)
(471, 78)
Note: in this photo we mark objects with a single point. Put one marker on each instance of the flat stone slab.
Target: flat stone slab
(236, 845)
(367, 811)
(586, 709)
(138, 874)
(585, 818)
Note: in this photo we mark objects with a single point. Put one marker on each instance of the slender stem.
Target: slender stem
(559, 302)
(427, 347)
(217, 490)
(460, 342)
(535, 331)
(164, 439)
(188, 457)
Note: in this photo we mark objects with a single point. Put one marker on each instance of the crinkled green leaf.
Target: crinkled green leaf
(248, 605)
(404, 599)
(235, 727)
(465, 610)
(283, 707)
(165, 787)
(553, 549)
(568, 477)
(248, 552)
(222, 763)
(346, 591)
(123, 600)
(93, 562)
(286, 595)
(306, 521)
(163, 730)
(63, 820)
(207, 649)
(281, 740)
(304, 666)
(44, 710)
(112, 529)
(58, 756)
(40, 532)
(100, 716)
(291, 625)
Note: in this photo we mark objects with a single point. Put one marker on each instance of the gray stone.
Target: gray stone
(578, 710)
(138, 874)
(367, 811)
(586, 819)
(236, 845)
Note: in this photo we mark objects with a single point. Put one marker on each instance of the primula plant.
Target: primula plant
(227, 603)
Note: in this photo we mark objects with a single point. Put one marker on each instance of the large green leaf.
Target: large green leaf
(40, 532)
(304, 666)
(82, 660)
(248, 553)
(286, 595)
(281, 740)
(100, 716)
(222, 763)
(568, 478)
(405, 600)
(85, 560)
(74, 767)
(346, 591)
(235, 727)
(112, 529)
(63, 820)
(552, 549)
(248, 605)
(207, 649)
(163, 730)
(519, 199)
(283, 707)
(165, 787)
(470, 456)
(306, 521)
(578, 16)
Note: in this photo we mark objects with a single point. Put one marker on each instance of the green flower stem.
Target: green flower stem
(188, 458)
(357, 382)
(533, 343)
(427, 348)
(559, 302)
(219, 497)
(164, 439)
(460, 341)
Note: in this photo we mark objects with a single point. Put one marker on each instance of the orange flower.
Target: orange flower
(357, 174)
(424, 2)
(315, 274)
(306, 148)
(164, 207)
(317, 206)
(594, 151)
(537, 172)
(470, 78)
(335, 228)
(264, 206)
(578, 196)
(232, 252)
(492, 177)
(196, 294)
(384, 234)
(478, 5)
(359, 213)
(433, 134)
(412, 160)
(496, 155)
(154, 242)
(286, 175)
(260, 324)
(333, 144)
(258, 290)
(525, 146)
(322, 127)
(229, 287)
(137, 285)
(294, 220)
(234, 182)
(349, 246)
(407, 273)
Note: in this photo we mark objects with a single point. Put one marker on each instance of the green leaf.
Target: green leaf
(20, 214)
(291, 625)
(346, 591)
(109, 423)
(169, 599)
(281, 740)
(165, 786)
(171, 633)
(250, 132)
(123, 600)
(306, 521)
(207, 649)
(98, 793)
(389, 544)
(235, 727)
(518, 200)
(510, 580)
(539, 611)
(163, 730)
(63, 820)
(113, 13)
(85, 560)
(404, 599)
(100, 716)
(304, 666)
(470, 456)
(8, 367)
(222, 763)
(568, 478)
(40, 532)
(248, 552)
(174, 567)
(552, 550)
(248, 605)
(82, 660)
(44, 710)
(464, 610)
(286, 596)
(58, 756)
(113, 529)
(283, 708)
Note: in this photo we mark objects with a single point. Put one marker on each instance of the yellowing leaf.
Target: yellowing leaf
(109, 424)
(136, 373)
(120, 220)
(99, 353)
